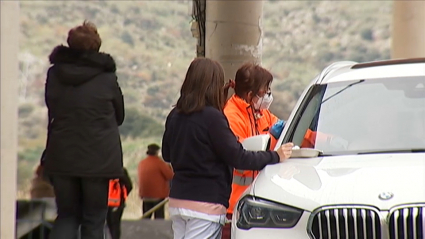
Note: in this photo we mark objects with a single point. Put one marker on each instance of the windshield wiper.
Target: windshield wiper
(416, 150)
(338, 92)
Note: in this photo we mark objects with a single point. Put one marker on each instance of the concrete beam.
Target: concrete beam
(408, 31)
(233, 33)
(9, 49)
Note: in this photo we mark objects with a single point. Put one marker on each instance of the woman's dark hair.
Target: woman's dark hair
(84, 37)
(153, 149)
(203, 86)
(251, 77)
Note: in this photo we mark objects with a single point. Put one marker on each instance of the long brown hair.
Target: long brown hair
(203, 86)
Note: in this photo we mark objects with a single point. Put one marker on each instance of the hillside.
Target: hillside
(152, 44)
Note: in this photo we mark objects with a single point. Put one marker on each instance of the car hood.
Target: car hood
(355, 179)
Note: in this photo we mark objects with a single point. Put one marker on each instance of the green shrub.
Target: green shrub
(138, 125)
(25, 110)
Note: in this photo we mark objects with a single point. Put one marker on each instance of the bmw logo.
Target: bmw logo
(386, 195)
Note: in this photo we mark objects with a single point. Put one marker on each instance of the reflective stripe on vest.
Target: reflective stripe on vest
(240, 171)
(242, 181)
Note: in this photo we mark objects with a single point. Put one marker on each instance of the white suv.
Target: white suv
(360, 172)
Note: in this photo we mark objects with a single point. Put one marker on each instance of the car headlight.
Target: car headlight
(255, 212)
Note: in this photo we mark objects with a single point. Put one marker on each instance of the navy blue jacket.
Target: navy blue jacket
(203, 151)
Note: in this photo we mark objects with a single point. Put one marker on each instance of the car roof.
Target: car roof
(348, 70)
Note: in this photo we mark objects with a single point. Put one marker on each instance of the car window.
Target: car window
(362, 115)
(306, 118)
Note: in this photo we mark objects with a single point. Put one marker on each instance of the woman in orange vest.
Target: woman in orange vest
(248, 114)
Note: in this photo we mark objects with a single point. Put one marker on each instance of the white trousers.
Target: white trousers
(188, 224)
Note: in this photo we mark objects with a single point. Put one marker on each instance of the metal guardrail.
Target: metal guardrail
(33, 219)
(157, 206)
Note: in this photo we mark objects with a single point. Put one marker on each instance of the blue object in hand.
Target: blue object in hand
(277, 128)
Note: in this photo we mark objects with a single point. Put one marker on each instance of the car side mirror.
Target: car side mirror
(257, 143)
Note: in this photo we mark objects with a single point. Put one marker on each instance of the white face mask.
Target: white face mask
(263, 103)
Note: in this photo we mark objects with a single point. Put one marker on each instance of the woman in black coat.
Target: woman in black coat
(85, 107)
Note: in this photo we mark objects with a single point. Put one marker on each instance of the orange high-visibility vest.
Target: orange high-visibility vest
(116, 193)
(114, 197)
(311, 137)
(245, 124)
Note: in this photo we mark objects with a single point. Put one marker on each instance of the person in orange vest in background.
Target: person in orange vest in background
(113, 218)
(248, 114)
(154, 180)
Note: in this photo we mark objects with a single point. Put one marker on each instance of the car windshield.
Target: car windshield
(366, 115)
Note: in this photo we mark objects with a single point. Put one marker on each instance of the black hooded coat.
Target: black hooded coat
(85, 107)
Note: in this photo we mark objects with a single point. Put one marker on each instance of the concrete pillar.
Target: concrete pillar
(408, 29)
(9, 40)
(198, 26)
(233, 33)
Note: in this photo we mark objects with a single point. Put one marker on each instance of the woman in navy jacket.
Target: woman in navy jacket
(203, 151)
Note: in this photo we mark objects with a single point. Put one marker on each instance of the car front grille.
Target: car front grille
(407, 223)
(346, 223)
